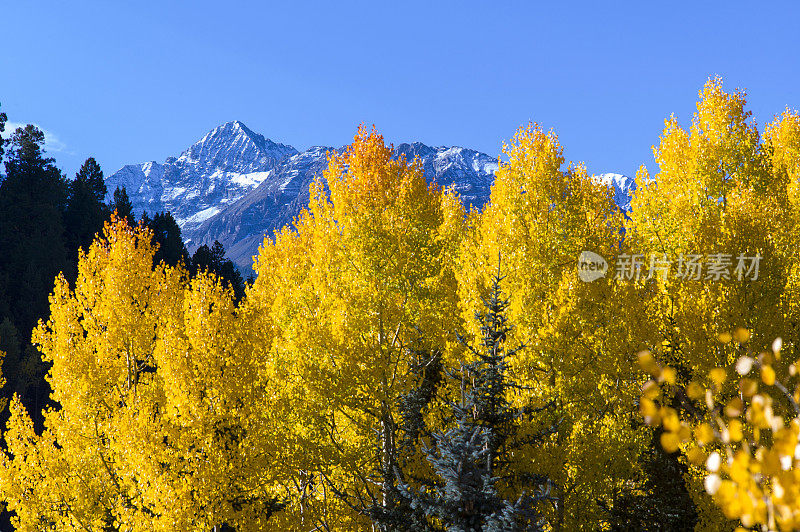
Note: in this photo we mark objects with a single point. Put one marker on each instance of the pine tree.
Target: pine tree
(3, 119)
(396, 513)
(213, 260)
(32, 251)
(121, 203)
(85, 212)
(9, 358)
(167, 234)
(659, 501)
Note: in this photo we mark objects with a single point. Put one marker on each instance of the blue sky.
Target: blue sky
(131, 82)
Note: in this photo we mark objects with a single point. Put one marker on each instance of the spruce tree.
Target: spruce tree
(657, 501)
(32, 249)
(3, 119)
(85, 212)
(470, 458)
(213, 260)
(167, 234)
(395, 512)
(121, 203)
(33, 197)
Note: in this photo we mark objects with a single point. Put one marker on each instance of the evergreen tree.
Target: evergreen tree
(660, 501)
(10, 357)
(473, 488)
(3, 118)
(85, 211)
(167, 234)
(10, 345)
(32, 252)
(201, 260)
(32, 200)
(396, 513)
(213, 260)
(121, 203)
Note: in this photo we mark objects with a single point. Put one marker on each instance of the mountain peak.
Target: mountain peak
(622, 187)
(235, 185)
(225, 164)
(233, 146)
(232, 128)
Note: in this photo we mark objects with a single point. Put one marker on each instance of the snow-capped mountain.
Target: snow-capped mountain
(219, 169)
(241, 226)
(236, 186)
(471, 173)
(622, 186)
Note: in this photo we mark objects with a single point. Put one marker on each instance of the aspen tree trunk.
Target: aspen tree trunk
(387, 453)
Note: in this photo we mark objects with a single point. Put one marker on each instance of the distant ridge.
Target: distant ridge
(235, 185)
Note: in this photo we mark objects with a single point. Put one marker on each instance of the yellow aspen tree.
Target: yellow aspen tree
(160, 421)
(738, 430)
(343, 297)
(713, 195)
(782, 145)
(541, 216)
(721, 191)
(3, 401)
(98, 341)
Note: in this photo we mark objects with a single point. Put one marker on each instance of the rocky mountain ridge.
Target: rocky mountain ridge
(236, 186)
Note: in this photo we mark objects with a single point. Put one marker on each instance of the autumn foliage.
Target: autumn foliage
(323, 397)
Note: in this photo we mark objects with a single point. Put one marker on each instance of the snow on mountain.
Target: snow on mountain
(144, 184)
(471, 173)
(622, 186)
(236, 186)
(219, 169)
(241, 226)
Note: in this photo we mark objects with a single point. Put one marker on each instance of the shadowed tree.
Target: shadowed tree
(167, 234)
(213, 260)
(33, 196)
(85, 212)
(3, 118)
(475, 485)
(121, 203)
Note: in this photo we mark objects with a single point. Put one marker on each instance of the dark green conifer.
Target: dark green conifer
(85, 212)
(33, 196)
(121, 203)
(167, 234)
(470, 479)
(213, 260)
(3, 119)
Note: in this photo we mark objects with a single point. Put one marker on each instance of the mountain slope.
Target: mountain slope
(241, 226)
(236, 186)
(471, 173)
(219, 169)
(623, 187)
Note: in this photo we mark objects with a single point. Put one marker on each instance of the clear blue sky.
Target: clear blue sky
(130, 82)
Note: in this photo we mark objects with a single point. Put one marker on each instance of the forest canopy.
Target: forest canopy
(399, 363)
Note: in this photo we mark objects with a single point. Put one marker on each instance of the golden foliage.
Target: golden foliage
(364, 276)
(159, 424)
(738, 427)
(178, 410)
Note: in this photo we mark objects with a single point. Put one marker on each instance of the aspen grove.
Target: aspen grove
(403, 363)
